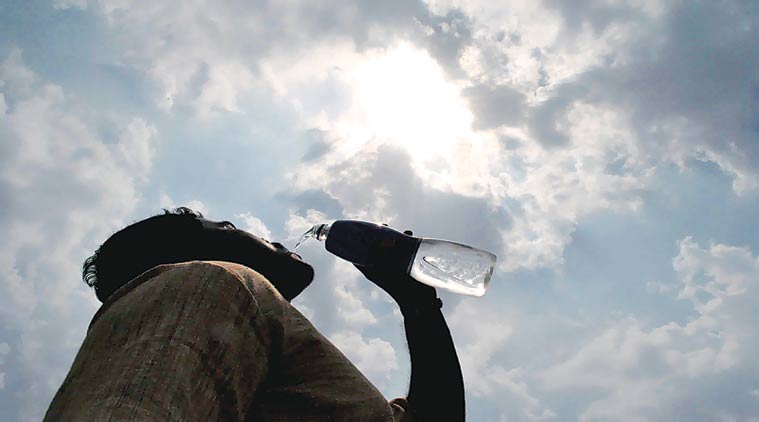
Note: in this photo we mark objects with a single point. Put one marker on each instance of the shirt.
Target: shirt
(212, 341)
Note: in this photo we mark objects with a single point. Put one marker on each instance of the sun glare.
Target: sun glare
(402, 96)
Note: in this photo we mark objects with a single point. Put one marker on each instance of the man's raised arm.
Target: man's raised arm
(437, 388)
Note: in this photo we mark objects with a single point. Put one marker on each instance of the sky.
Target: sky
(607, 151)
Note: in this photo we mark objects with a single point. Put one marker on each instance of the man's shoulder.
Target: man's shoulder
(230, 272)
(187, 272)
(197, 271)
(203, 267)
(193, 277)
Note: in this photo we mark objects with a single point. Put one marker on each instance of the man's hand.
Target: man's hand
(400, 286)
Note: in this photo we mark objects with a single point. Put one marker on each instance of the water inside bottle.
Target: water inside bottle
(453, 266)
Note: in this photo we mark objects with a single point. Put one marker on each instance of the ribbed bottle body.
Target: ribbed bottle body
(453, 266)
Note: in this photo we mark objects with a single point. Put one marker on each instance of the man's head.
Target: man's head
(184, 235)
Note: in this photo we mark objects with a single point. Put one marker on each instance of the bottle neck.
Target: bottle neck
(322, 232)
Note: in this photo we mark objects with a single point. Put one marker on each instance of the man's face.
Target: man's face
(284, 269)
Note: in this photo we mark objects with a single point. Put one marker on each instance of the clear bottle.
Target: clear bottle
(439, 263)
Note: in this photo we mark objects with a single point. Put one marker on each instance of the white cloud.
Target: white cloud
(206, 56)
(137, 147)
(349, 307)
(254, 225)
(545, 53)
(597, 107)
(63, 189)
(483, 332)
(168, 203)
(297, 224)
(665, 366)
(299, 303)
(374, 357)
(656, 287)
(548, 190)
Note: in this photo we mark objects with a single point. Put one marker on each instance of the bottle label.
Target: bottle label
(370, 245)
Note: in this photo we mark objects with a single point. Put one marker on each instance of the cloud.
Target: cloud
(684, 84)
(375, 357)
(352, 311)
(340, 304)
(380, 185)
(137, 149)
(611, 93)
(166, 202)
(68, 4)
(535, 195)
(297, 224)
(254, 225)
(204, 63)
(4, 350)
(445, 37)
(495, 106)
(63, 189)
(644, 373)
(515, 78)
(502, 125)
(481, 333)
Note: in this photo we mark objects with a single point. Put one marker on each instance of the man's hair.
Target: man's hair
(166, 238)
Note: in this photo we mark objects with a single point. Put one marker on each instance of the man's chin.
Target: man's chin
(291, 279)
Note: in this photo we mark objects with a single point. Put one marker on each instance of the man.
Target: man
(196, 325)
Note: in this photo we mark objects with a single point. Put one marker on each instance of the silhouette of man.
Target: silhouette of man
(196, 325)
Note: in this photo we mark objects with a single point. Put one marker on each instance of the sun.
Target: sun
(401, 96)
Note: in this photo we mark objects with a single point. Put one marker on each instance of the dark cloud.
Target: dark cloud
(696, 84)
(494, 106)
(445, 38)
(315, 199)
(544, 121)
(704, 73)
(358, 18)
(318, 145)
(387, 181)
(598, 15)
(433, 213)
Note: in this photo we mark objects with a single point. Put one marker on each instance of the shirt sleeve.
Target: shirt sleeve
(189, 343)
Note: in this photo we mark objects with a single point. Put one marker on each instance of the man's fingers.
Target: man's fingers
(407, 232)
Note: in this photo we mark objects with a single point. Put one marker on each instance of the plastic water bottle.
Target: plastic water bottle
(439, 263)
